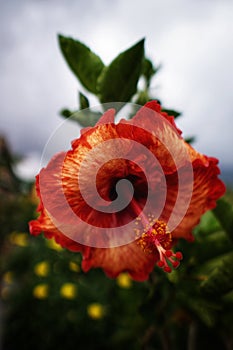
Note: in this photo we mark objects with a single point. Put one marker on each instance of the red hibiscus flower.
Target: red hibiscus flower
(126, 192)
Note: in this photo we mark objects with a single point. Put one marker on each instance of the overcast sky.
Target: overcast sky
(191, 38)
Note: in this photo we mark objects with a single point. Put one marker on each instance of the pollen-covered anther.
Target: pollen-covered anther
(158, 240)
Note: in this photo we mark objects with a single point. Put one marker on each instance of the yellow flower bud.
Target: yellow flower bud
(95, 311)
(74, 266)
(68, 291)
(41, 291)
(42, 269)
(124, 280)
(18, 238)
(52, 244)
(8, 277)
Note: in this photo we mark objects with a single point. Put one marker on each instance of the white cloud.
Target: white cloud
(29, 166)
(192, 39)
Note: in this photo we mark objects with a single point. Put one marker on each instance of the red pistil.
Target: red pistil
(168, 259)
(156, 238)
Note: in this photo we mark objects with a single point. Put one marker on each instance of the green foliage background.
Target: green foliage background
(191, 308)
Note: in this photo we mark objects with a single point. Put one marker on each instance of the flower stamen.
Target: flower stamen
(156, 238)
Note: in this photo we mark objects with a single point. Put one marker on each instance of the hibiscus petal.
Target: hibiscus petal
(107, 117)
(129, 258)
(207, 188)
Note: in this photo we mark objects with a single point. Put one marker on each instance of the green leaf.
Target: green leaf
(83, 101)
(220, 280)
(66, 113)
(208, 224)
(224, 214)
(204, 310)
(210, 247)
(85, 64)
(118, 81)
(190, 139)
(148, 70)
(84, 117)
(142, 98)
(171, 112)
